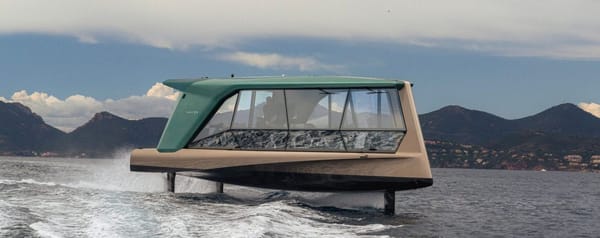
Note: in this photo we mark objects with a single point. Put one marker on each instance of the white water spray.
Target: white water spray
(113, 174)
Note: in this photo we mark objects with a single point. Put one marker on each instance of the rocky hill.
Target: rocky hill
(106, 132)
(459, 137)
(23, 132)
(461, 125)
(562, 123)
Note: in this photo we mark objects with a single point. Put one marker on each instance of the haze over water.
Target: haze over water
(51, 197)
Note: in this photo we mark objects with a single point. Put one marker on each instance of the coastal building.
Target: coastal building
(595, 162)
(574, 161)
(573, 158)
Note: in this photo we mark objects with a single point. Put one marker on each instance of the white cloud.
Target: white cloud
(75, 110)
(159, 90)
(277, 61)
(593, 108)
(136, 107)
(87, 39)
(553, 28)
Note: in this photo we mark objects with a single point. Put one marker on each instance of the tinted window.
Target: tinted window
(372, 109)
(221, 121)
(315, 109)
(320, 140)
(368, 141)
(264, 109)
(261, 139)
(221, 140)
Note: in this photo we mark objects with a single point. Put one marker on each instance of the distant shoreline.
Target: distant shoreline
(588, 170)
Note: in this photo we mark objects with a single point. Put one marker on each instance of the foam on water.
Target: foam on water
(101, 226)
(44, 230)
(345, 200)
(270, 219)
(349, 200)
(280, 218)
(5, 219)
(113, 174)
(185, 184)
(26, 181)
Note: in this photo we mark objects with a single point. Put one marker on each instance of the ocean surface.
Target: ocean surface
(61, 197)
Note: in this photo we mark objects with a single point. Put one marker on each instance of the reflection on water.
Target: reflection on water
(101, 198)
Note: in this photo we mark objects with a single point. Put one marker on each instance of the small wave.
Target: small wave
(279, 218)
(343, 200)
(44, 230)
(131, 183)
(185, 184)
(101, 226)
(348, 200)
(276, 195)
(175, 227)
(26, 181)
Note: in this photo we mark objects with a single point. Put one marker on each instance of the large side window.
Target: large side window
(214, 133)
(261, 110)
(315, 117)
(260, 120)
(353, 120)
(372, 109)
(372, 120)
(315, 109)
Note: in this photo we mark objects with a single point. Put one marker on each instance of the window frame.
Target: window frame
(340, 131)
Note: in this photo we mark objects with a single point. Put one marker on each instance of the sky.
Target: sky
(68, 59)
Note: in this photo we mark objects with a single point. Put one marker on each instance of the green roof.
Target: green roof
(203, 96)
(232, 84)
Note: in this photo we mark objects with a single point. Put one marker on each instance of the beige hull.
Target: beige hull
(293, 170)
(388, 165)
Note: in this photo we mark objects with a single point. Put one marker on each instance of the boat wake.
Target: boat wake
(25, 181)
(114, 175)
(58, 197)
(110, 201)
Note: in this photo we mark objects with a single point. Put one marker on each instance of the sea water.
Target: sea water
(64, 197)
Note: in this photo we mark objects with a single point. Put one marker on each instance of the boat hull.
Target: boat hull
(312, 182)
(319, 176)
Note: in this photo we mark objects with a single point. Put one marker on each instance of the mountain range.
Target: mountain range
(461, 125)
(554, 133)
(22, 132)
(563, 137)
